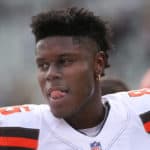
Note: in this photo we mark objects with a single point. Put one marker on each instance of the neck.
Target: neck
(91, 115)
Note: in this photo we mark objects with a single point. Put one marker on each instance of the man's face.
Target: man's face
(66, 74)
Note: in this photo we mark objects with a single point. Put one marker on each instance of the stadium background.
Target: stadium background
(130, 58)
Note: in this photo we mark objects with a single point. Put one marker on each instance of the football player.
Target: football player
(71, 54)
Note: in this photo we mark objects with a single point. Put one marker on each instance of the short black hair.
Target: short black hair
(73, 22)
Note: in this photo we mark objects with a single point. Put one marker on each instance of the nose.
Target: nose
(53, 73)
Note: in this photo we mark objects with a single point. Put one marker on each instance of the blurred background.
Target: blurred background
(130, 20)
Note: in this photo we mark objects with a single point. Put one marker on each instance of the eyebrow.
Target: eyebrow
(66, 54)
(60, 55)
(39, 60)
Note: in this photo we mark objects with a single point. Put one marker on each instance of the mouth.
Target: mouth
(57, 93)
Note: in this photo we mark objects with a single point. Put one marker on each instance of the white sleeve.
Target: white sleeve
(140, 100)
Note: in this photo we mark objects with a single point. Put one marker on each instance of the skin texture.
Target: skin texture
(72, 66)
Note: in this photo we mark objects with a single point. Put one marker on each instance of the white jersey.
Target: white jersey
(33, 127)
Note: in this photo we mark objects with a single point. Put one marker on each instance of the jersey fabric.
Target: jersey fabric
(33, 127)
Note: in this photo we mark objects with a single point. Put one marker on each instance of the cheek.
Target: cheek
(41, 80)
(81, 79)
(86, 83)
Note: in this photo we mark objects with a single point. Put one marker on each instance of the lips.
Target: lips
(57, 93)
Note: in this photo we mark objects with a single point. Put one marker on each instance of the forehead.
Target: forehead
(66, 43)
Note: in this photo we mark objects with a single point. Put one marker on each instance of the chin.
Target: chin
(58, 114)
(62, 115)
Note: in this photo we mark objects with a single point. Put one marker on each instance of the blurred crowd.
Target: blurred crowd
(130, 58)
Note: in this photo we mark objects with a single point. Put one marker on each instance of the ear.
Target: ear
(100, 63)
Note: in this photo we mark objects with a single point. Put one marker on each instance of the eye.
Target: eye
(66, 61)
(43, 66)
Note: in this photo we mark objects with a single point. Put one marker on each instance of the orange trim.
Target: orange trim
(13, 109)
(18, 142)
(140, 92)
(147, 126)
